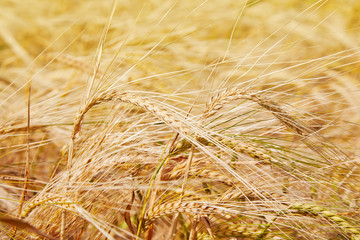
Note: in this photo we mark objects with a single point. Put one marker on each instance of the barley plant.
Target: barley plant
(201, 119)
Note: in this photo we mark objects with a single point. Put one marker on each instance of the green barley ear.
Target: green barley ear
(345, 225)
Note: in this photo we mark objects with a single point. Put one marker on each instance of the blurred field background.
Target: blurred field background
(179, 119)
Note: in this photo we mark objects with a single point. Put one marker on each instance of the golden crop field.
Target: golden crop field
(192, 119)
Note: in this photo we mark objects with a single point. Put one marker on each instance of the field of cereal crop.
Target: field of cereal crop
(202, 119)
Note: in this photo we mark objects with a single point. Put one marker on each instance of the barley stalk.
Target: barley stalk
(231, 94)
(328, 152)
(161, 113)
(45, 199)
(70, 61)
(242, 230)
(240, 146)
(345, 225)
(210, 174)
(195, 208)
